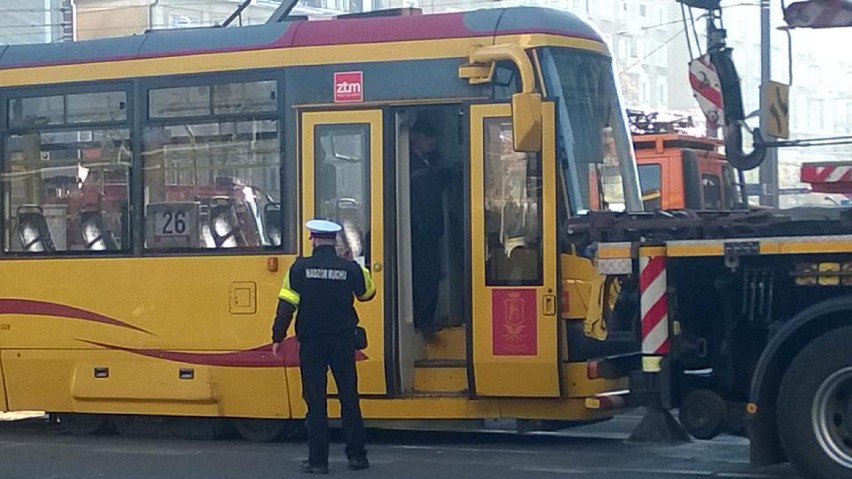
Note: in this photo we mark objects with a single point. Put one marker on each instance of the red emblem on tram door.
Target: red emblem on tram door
(348, 87)
(513, 322)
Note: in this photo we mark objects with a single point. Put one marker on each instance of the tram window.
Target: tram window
(342, 163)
(97, 107)
(179, 102)
(36, 111)
(592, 131)
(712, 187)
(512, 207)
(230, 169)
(76, 180)
(505, 81)
(245, 97)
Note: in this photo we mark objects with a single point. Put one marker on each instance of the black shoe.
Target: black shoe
(358, 463)
(309, 468)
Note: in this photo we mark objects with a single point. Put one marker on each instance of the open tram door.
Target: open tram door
(342, 180)
(513, 340)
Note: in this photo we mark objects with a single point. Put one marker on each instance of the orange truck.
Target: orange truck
(678, 171)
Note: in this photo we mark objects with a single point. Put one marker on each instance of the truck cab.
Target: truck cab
(678, 171)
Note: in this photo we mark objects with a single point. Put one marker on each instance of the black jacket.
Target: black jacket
(428, 181)
(321, 288)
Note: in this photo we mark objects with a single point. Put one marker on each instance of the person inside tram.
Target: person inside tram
(428, 181)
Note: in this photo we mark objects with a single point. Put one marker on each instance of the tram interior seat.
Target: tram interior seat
(96, 234)
(273, 221)
(495, 255)
(31, 230)
(523, 263)
(513, 260)
(223, 224)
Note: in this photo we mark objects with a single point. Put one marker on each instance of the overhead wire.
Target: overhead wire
(691, 23)
(695, 32)
(686, 29)
(651, 53)
(645, 27)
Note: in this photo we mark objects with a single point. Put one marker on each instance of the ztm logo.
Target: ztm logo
(348, 86)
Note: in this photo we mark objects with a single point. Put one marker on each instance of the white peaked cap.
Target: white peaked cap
(323, 226)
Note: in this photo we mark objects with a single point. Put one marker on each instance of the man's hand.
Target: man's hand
(277, 350)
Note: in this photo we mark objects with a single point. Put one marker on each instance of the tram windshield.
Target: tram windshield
(595, 149)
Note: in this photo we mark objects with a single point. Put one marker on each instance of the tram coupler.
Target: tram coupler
(658, 425)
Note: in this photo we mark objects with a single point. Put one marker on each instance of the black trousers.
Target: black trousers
(316, 356)
(426, 276)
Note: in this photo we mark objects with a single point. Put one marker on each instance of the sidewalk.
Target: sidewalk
(19, 415)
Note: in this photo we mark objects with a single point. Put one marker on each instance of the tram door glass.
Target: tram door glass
(512, 203)
(342, 165)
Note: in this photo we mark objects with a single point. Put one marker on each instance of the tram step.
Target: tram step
(431, 394)
(448, 344)
(440, 376)
(441, 363)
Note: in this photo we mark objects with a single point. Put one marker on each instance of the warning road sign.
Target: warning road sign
(777, 100)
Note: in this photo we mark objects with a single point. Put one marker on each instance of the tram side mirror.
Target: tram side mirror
(526, 121)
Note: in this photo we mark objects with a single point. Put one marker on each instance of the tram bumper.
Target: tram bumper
(612, 368)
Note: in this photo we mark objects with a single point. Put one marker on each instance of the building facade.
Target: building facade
(100, 18)
(36, 21)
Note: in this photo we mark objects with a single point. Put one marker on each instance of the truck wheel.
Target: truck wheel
(815, 407)
(703, 414)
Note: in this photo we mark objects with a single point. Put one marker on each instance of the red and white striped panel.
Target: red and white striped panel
(819, 14)
(826, 173)
(654, 304)
(707, 89)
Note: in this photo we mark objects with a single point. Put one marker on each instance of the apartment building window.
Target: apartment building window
(605, 10)
(644, 90)
(633, 47)
(813, 74)
(848, 121)
(594, 8)
(829, 122)
(660, 53)
(799, 112)
(815, 114)
(577, 6)
(662, 91)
